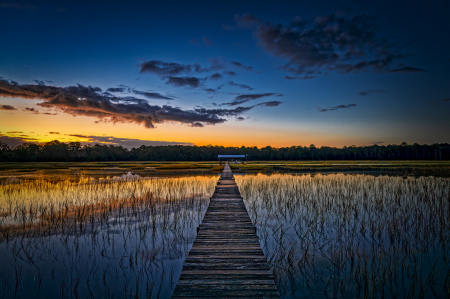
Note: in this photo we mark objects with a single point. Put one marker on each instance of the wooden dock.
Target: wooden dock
(226, 260)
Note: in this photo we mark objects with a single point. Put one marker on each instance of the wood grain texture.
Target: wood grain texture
(226, 260)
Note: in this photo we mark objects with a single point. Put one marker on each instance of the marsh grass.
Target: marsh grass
(253, 167)
(111, 238)
(183, 166)
(217, 168)
(157, 169)
(325, 236)
(353, 236)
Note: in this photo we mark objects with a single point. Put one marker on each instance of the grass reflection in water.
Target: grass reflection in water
(353, 236)
(122, 237)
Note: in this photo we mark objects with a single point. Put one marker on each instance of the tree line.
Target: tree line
(55, 151)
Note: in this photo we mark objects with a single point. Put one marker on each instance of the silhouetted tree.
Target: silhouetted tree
(75, 151)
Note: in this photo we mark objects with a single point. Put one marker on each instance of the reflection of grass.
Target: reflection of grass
(353, 236)
(73, 216)
(416, 168)
(252, 166)
(121, 237)
(436, 168)
(32, 166)
(182, 166)
(4, 214)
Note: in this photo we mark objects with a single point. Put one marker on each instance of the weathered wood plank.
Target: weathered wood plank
(227, 277)
(230, 256)
(226, 260)
(225, 266)
(226, 247)
(228, 272)
(205, 282)
(229, 287)
(239, 242)
(230, 293)
(245, 252)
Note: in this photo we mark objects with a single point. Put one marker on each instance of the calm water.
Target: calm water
(325, 236)
(353, 236)
(119, 237)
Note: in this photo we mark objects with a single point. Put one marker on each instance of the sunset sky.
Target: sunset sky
(232, 73)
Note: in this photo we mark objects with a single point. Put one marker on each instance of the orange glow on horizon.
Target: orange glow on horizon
(36, 127)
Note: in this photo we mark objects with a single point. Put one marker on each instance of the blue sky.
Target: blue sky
(226, 72)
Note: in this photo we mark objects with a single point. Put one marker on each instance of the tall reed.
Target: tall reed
(349, 236)
(120, 237)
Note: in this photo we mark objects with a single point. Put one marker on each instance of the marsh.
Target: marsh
(325, 235)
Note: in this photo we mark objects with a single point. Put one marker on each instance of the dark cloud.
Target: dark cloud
(224, 112)
(231, 83)
(215, 76)
(299, 78)
(48, 113)
(54, 133)
(92, 102)
(193, 82)
(227, 27)
(377, 142)
(127, 142)
(230, 73)
(335, 42)
(17, 5)
(207, 41)
(217, 63)
(240, 118)
(78, 135)
(34, 110)
(243, 98)
(214, 90)
(236, 112)
(337, 107)
(247, 68)
(167, 71)
(447, 99)
(371, 91)
(152, 95)
(194, 41)
(247, 20)
(270, 104)
(406, 69)
(15, 132)
(7, 107)
(39, 82)
(117, 89)
(161, 68)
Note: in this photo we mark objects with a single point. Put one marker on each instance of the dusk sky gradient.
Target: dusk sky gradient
(230, 73)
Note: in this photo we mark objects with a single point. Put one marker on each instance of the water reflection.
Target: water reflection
(123, 236)
(127, 235)
(352, 236)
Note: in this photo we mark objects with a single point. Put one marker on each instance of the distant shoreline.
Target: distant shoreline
(75, 170)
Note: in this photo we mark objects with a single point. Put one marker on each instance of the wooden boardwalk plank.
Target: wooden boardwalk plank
(226, 260)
